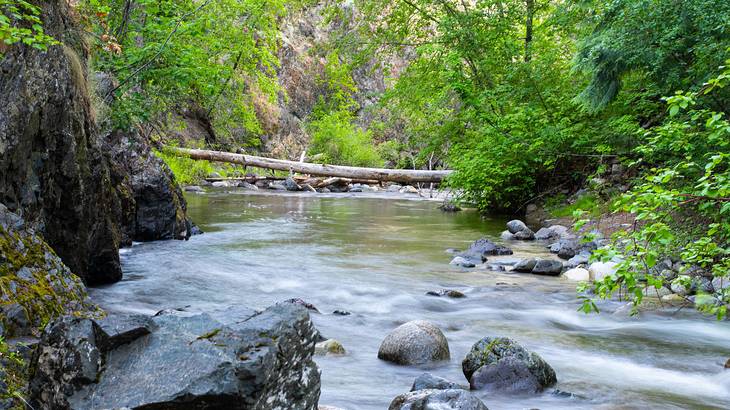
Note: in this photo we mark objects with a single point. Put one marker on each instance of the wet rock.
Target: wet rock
(329, 347)
(496, 268)
(415, 342)
(301, 302)
(500, 364)
(429, 381)
(524, 235)
(548, 267)
(481, 248)
(727, 364)
(599, 270)
(463, 262)
(446, 292)
(291, 185)
(222, 184)
(341, 313)
(249, 186)
(577, 274)
(122, 329)
(308, 188)
(553, 232)
(454, 399)
(408, 189)
(194, 188)
(276, 186)
(261, 362)
(525, 265)
(519, 230)
(449, 207)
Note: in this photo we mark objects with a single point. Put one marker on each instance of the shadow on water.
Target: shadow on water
(376, 258)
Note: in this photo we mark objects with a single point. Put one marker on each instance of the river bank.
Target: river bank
(377, 259)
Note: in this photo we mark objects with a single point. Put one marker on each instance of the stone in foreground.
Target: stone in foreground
(415, 342)
(547, 267)
(186, 362)
(501, 365)
(429, 381)
(454, 399)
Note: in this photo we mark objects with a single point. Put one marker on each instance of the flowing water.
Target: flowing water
(376, 258)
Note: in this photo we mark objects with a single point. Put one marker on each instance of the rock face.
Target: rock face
(35, 284)
(500, 364)
(454, 399)
(192, 362)
(415, 342)
(56, 170)
(481, 248)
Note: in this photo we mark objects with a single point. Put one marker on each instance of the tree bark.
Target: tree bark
(378, 174)
(528, 29)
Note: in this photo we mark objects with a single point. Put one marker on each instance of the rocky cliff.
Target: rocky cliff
(86, 192)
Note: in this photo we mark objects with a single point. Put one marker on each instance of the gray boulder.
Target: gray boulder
(247, 185)
(454, 399)
(481, 248)
(580, 259)
(415, 342)
(463, 262)
(429, 381)
(547, 267)
(276, 186)
(186, 361)
(500, 364)
(553, 232)
(291, 185)
(525, 265)
(519, 230)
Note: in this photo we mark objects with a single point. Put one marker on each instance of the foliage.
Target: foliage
(171, 54)
(683, 206)
(12, 373)
(20, 22)
(342, 142)
(187, 171)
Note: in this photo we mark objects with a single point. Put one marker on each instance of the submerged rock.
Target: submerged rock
(500, 364)
(429, 381)
(329, 347)
(449, 207)
(446, 292)
(452, 399)
(187, 361)
(415, 342)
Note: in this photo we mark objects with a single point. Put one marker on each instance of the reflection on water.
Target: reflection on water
(376, 258)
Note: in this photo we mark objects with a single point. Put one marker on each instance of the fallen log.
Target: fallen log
(378, 174)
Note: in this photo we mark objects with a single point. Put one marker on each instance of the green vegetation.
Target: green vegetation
(12, 374)
(20, 22)
(187, 171)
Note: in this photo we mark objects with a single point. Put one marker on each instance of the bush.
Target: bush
(187, 171)
(343, 143)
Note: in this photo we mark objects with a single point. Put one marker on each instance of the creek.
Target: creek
(376, 257)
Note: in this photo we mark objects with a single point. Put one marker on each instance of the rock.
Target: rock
(527, 235)
(301, 302)
(675, 300)
(548, 267)
(276, 186)
(123, 329)
(194, 188)
(329, 347)
(516, 225)
(727, 364)
(453, 399)
(580, 259)
(341, 313)
(249, 186)
(36, 283)
(214, 175)
(651, 291)
(428, 381)
(681, 289)
(446, 292)
(291, 185)
(449, 207)
(719, 284)
(221, 184)
(408, 189)
(599, 270)
(481, 248)
(577, 274)
(415, 342)
(394, 188)
(507, 236)
(502, 365)
(308, 188)
(463, 262)
(496, 268)
(553, 232)
(260, 362)
(525, 265)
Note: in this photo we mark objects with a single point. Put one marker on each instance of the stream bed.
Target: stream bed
(376, 258)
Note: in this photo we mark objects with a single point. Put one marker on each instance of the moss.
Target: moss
(13, 375)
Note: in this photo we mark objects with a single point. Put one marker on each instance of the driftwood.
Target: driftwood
(407, 176)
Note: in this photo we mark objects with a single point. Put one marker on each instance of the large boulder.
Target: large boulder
(500, 364)
(481, 248)
(453, 399)
(519, 230)
(184, 361)
(549, 267)
(525, 265)
(415, 342)
(36, 285)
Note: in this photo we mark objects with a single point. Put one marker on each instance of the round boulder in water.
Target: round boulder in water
(415, 342)
(500, 364)
(453, 399)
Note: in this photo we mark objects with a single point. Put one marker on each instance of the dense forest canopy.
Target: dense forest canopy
(520, 97)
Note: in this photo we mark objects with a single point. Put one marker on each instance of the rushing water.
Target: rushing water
(376, 258)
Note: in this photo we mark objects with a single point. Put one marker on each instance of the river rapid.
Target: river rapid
(376, 258)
